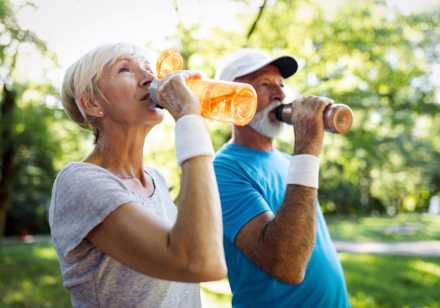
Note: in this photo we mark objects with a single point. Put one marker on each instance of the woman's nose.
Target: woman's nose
(147, 77)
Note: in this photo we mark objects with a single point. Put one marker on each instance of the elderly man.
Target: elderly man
(278, 249)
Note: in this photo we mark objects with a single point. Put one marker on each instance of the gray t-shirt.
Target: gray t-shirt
(83, 195)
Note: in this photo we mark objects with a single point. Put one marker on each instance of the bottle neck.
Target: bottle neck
(283, 113)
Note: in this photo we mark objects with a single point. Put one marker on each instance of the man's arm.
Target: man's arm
(281, 245)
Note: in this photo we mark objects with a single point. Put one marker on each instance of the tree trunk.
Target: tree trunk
(7, 153)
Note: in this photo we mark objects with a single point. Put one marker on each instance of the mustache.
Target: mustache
(272, 105)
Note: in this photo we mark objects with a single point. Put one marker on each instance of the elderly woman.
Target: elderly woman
(120, 240)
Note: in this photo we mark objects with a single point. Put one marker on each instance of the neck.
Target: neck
(248, 137)
(120, 150)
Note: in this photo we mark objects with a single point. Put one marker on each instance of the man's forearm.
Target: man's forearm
(290, 235)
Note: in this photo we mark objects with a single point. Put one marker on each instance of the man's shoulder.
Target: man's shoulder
(226, 164)
(228, 149)
(231, 157)
(234, 164)
(233, 152)
(225, 156)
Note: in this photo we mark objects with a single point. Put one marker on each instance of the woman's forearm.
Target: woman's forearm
(197, 234)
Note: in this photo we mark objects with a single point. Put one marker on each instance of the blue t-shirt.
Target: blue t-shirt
(252, 182)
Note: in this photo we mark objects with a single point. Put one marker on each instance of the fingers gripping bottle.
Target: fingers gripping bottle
(225, 101)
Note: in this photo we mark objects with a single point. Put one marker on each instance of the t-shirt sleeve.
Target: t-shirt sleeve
(240, 200)
(84, 197)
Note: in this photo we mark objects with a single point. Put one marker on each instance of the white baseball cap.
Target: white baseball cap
(249, 60)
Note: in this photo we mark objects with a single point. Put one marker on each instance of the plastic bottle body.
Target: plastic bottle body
(225, 101)
(231, 102)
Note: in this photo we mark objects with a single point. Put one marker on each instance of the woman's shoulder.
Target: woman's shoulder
(81, 172)
(77, 167)
(79, 182)
(84, 174)
(73, 167)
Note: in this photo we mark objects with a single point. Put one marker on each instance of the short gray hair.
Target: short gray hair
(81, 77)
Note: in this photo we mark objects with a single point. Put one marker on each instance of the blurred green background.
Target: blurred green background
(381, 60)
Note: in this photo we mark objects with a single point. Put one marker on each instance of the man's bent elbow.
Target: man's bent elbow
(293, 278)
(294, 275)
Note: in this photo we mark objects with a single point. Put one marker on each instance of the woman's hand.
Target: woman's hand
(175, 96)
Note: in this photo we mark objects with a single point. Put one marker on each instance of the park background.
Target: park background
(376, 182)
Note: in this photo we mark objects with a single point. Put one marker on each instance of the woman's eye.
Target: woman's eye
(123, 69)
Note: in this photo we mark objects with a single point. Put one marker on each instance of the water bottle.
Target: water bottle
(337, 117)
(232, 102)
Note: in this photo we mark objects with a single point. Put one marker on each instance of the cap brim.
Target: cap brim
(287, 65)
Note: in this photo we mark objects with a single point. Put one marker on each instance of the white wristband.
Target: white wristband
(304, 170)
(192, 138)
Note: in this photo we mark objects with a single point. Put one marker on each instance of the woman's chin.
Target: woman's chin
(155, 115)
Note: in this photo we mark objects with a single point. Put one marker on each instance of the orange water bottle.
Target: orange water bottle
(232, 102)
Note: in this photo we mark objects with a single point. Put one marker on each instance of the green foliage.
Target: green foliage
(33, 129)
(364, 56)
(12, 36)
(43, 143)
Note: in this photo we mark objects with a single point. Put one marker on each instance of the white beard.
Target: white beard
(264, 125)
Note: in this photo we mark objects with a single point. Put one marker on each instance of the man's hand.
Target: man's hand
(308, 115)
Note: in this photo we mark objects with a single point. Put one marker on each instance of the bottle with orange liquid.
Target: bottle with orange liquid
(337, 117)
(225, 101)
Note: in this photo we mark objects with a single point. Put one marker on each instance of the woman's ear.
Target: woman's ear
(91, 106)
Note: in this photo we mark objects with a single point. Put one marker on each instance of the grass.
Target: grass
(390, 281)
(404, 227)
(386, 281)
(30, 278)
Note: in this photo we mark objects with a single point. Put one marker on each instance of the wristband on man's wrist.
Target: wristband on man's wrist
(304, 170)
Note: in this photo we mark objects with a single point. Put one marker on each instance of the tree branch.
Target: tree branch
(254, 24)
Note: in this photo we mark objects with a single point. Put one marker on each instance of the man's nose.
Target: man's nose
(278, 93)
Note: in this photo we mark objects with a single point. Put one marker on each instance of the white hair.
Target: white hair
(262, 123)
(82, 76)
